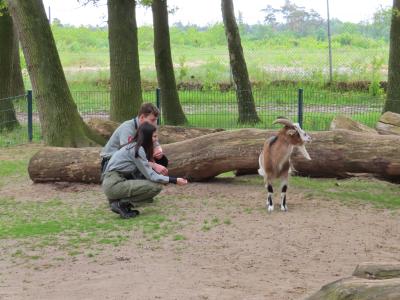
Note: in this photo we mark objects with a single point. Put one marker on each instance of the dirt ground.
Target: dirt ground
(250, 254)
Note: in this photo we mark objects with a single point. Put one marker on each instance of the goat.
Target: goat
(274, 160)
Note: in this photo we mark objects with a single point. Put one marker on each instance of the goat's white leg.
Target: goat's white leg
(284, 184)
(270, 204)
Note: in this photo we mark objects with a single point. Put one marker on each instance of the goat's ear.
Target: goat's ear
(291, 132)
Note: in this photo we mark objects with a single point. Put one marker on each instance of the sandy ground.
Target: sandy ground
(256, 256)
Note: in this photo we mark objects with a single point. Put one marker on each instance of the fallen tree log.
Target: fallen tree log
(343, 122)
(369, 281)
(167, 134)
(339, 153)
(389, 123)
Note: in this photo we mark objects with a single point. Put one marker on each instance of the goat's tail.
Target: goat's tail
(261, 170)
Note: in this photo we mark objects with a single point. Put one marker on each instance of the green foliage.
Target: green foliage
(271, 53)
(213, 69)
(376, 66)
(347, 39)
(183, 69)
(145, 38)
(80, 39)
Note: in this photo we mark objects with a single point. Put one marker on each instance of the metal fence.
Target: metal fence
(212, 109)
(19, 121)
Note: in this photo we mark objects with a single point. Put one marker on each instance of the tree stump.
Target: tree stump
(389, 123)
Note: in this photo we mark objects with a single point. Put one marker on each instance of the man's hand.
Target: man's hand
(158, 153)
(160, 169)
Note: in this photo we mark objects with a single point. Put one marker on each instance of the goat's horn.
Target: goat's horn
(282, 121)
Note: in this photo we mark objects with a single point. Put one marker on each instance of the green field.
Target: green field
(278, 63)
(201, 55)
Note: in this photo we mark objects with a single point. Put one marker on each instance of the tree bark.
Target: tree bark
(59, 118)
(171, 108)
(17, 81)
(393, 90)
(389, 123)
(244, 95)
(339, 153)
(167, 134)
(343, 122)
(126, 90)
(369, 281)
(360, 289)
(8, 119)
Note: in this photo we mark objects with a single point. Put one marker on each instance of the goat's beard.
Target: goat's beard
(304, 152)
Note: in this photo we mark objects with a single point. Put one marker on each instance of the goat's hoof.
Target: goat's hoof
(270, 208)
(284, 208)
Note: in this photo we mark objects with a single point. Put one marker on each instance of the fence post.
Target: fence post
(158, 103)
(300, 107)
(30, 125)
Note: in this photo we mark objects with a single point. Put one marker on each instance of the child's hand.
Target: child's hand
(158, 153)
(181, 181)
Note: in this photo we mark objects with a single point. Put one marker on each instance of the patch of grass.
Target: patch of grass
(13, 168)
(208, 225)
(250, 180)
(19, 135)
(13, 171)
(248, 210)
(227, 221)
(215, 220)
(179, 237)
(226, 175)
(379, 193)
(21, 254)
(54, 223)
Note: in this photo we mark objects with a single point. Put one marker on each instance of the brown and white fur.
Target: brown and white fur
(274, 160)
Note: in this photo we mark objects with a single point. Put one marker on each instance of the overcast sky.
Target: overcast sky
(203, 12)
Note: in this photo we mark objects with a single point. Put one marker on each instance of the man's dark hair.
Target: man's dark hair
(147, 109)
(144, 138)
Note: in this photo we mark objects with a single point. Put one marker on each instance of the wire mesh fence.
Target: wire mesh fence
(19, 121)
(314, 109)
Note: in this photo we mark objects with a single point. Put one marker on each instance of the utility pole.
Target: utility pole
(329, 42)
(49, 15)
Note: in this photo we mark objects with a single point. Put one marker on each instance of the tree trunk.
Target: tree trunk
(393, 89)
(244, 95)
(172, 111)
(60, 121)
(17, 82)
(339, 153)
(8, 119)
(167, 134)
(126, 90)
